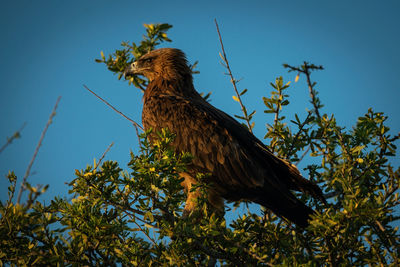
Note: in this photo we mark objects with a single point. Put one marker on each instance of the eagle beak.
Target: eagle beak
(132, 69)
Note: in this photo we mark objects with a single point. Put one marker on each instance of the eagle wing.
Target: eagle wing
(239, 164)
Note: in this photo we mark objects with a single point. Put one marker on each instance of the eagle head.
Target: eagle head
(165, 63)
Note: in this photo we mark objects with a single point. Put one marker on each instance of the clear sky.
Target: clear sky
(48, 48)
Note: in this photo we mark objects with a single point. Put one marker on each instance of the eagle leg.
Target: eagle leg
(214, 199)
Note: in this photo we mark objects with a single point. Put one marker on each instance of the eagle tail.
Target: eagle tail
(291, 209)
(309, 187)
(299, 183)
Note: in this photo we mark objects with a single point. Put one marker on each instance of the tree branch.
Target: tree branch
(28, 170)
(102, 156)
(135, 124)
(233, 80)
(310, 90)
(305, 69)
(16, 135)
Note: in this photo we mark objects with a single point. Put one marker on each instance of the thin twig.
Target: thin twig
(17, 134)
(144, 232)
(277, 114)
(116, 110)
(306, 70)
(233, 81)
(28, 170)
(310, 89)
(288, 154)
(302, 156)
(102, 156)
(135, 124)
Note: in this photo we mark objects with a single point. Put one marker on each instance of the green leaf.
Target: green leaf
(357, 149)
(285, 102)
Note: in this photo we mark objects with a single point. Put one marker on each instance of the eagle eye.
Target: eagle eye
(147, 60)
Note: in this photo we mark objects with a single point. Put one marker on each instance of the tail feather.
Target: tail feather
(299, 183)
(290, 208)
(300, 214)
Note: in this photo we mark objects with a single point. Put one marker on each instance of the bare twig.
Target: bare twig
(302, 156)
(306, 70)
(233, 80)
(135, 124)
(17, 134)
(144, 232)
(28, 170)
(102, 156)
(311, 91)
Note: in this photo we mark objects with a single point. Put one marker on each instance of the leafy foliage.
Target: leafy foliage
(134, 216)
(122, 58)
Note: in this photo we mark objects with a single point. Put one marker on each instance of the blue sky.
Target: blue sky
(48, 48)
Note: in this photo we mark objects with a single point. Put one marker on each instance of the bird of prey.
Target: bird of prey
(239, 165)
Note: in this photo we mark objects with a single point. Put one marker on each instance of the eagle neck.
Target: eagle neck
(174, 87)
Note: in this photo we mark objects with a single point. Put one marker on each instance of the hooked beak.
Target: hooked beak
(132, 69)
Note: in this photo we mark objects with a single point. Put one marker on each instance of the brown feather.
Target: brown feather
(241, 166)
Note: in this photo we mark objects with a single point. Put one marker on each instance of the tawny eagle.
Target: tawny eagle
(240, 166)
